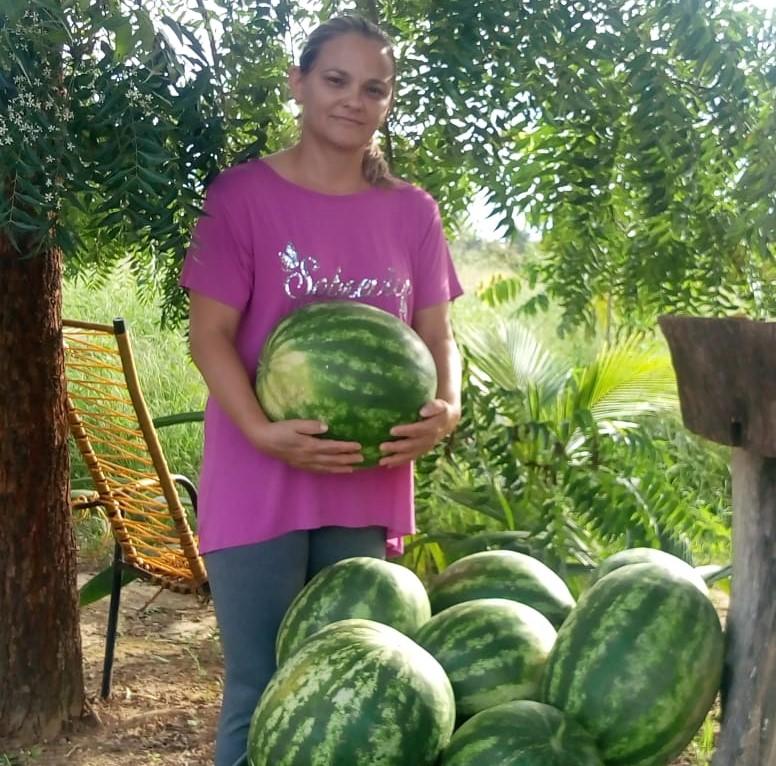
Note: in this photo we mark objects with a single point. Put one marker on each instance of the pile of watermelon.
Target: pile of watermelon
(494, 664)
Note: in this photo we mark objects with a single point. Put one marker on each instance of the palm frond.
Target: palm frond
(626, 381)
(509, 355)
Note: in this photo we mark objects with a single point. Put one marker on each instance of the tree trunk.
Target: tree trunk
(726, 370)
(749, 704)
(40, 646)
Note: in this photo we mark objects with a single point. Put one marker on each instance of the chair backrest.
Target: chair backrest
(116, 437)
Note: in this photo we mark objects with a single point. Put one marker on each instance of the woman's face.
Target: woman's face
(347, 93)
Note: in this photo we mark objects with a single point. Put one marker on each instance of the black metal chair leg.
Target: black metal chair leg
(113, 617)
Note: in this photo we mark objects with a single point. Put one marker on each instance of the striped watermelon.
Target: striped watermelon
(357, 368)
(500, 540)
(502, 574)
(638, 664)
(650, 556)
(492, 649)
(357, 587)
(521, 734)
(358, 693)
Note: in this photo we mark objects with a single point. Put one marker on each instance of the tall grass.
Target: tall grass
(170, 381)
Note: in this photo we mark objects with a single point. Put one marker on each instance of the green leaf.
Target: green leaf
(146, 32)
(100, 586)
(714, 573)
(13, 10)
(125, 41)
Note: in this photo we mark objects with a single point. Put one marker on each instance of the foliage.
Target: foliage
(694, 477)
(636, 136)
(115, 118)
(581, 459)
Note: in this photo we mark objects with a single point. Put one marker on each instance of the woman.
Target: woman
(319, 220)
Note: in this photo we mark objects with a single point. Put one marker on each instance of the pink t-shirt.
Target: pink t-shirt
(266, 246)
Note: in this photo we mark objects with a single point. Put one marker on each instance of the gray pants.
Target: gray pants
(252, 587)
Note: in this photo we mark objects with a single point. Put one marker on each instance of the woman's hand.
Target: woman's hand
(298, 443)
(415, 439)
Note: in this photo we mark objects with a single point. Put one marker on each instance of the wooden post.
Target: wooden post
(726, 371)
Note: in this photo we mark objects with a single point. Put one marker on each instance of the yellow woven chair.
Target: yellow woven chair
(117, 439)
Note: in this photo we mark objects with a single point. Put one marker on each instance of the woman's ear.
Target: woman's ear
(295, 83)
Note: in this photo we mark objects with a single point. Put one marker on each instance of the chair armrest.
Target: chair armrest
(195, 416)
(189, 486)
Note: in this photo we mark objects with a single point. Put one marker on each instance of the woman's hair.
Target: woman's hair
(374, 165)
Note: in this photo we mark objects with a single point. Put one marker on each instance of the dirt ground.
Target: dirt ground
(166, 687)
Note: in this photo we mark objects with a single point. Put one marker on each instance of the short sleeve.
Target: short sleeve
(434, 279)
(219, 261)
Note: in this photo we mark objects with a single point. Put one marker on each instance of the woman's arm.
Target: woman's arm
(212, 339)
(441, 415)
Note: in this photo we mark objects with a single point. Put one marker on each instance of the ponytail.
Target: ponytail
(375, 167)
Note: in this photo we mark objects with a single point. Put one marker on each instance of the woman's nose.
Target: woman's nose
(354, 98)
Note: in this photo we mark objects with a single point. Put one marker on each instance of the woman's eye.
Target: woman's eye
(335, 80)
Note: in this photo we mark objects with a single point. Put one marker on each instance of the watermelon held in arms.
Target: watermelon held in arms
(521, 733)
(502, 574)
(492, 649)
(637, 664)
(355, 367)
(361, 586)
(650, 556)
(357, 693)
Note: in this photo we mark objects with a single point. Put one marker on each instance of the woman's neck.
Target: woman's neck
(322, 169)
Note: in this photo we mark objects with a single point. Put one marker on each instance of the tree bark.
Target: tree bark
(40, 646)
(726, 370)
(748, 735)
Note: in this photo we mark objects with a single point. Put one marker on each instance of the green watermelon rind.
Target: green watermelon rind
(357, 368)
(650, 556)
(521, 733)
(503, 574)
(638, 664)
(493, 651)
(357, 587)
(356, 692)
